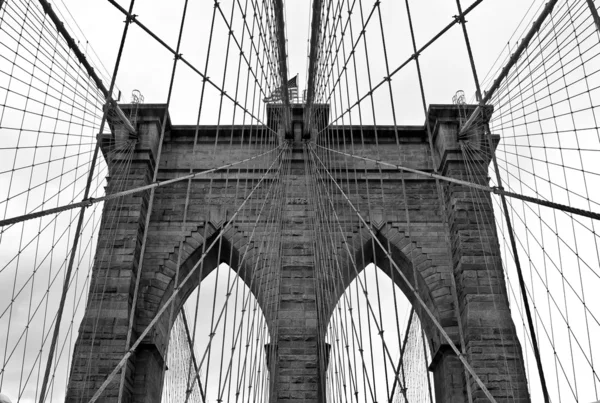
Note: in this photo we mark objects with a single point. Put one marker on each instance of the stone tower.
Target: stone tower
(454, 276)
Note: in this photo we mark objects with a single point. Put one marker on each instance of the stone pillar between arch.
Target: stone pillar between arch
(297, 376)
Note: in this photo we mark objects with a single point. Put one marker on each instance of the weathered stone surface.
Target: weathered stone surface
(449, 252)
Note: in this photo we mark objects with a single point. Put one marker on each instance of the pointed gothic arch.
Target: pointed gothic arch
(432, 275)
(223, 321)
(241, 260)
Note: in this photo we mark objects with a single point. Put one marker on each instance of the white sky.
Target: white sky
(445, 64)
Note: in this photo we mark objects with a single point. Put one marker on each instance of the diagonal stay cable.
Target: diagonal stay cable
(491, 189)
(426, 309)
(192, 353)
(93, 200)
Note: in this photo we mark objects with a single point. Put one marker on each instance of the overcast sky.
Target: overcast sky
(146, 66)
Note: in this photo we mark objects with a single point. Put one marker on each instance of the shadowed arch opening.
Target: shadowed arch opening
(243, 266)
(382, 340)
(379, 351)
(223, 252)
(429, 278)
(217, 343)
(214, 338)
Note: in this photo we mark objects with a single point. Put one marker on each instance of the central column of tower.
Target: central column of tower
(297, 368)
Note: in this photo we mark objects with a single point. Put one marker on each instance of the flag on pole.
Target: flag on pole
(293, 88)
(293, 82)
(292, 85)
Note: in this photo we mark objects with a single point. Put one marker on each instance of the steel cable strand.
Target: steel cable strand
(479, 99)
(521, 314)
(319, 279)
(591, 231)
(327, 49)
(89, 176)
(495, 190)
(548, 296)
(46, 334)
(43, 298)
(239, 45)
(585, 185)
(76, 301)
(192, 360)
(511, 175)
(547, 256)
(49, 223)
(568, 99)
(176, 278)
(55, 277)
(361, 35)
(544, 43)
(332, 266)
(353, 57)
(39, 23)
(393, 109)
(56, 29)
(70, 332)
(40, 230)
(348, 299)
